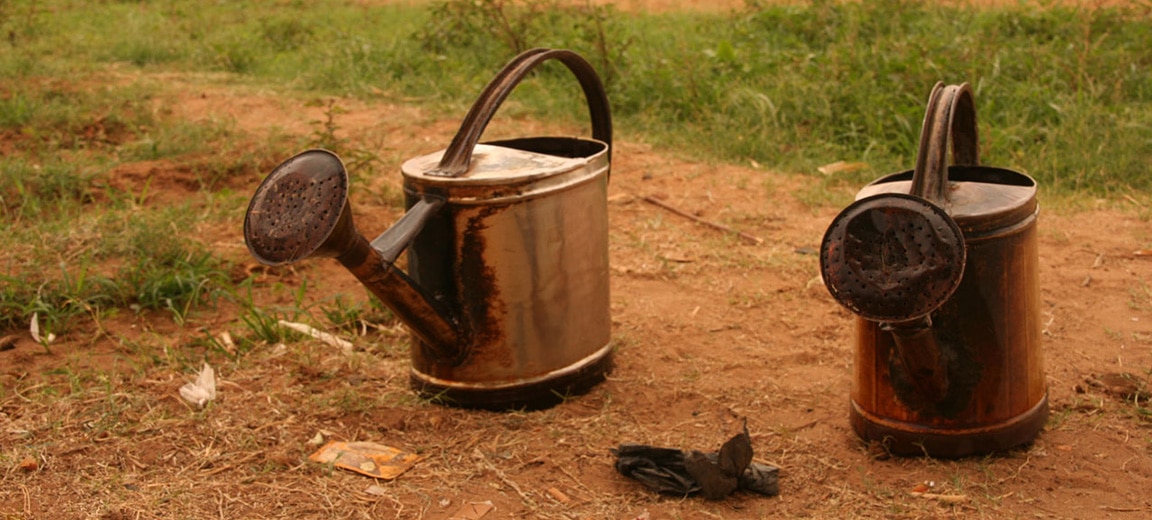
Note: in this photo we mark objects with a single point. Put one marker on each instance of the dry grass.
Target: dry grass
(726, 331)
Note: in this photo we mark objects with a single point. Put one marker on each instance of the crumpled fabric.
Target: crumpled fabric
(714, 475)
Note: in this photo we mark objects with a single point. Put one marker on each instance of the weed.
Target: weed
(1141, 296)
(324, 135)
(264, 326)
(176, 284)
(345, 316)
(28, 190)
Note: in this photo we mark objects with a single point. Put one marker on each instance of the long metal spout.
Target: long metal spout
(301, 211)
(427, 318)
(919, 352)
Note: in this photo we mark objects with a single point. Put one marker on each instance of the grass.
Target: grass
(1061, 93)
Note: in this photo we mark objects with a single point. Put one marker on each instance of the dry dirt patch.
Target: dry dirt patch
(710, 330)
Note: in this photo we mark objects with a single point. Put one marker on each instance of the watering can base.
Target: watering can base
(901, 438)
(534, 393)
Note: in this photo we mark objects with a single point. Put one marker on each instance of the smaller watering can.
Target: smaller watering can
(940, 265)
(506, 291)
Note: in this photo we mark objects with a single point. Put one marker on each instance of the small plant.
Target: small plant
(489, 28)
(324, 135)
(264, 325)
(462, 23)
(1141, 296)
(344, 316)
(354, 318)
(174, 283)
(324, 130)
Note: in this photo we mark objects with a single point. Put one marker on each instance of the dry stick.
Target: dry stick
(507, 481)
(1125, 509)
(714, 225)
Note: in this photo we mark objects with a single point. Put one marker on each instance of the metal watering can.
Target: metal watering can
(940, 265)
(506, 292)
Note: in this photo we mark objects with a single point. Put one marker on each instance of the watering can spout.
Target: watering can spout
(918, 351)
(301, 211)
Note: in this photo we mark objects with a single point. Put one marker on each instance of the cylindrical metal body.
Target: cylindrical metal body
(988, 332)
(520, 249)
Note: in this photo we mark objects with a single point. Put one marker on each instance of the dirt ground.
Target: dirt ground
(710, 330)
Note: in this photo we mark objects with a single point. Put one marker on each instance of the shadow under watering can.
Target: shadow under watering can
(506, 291)
(940, 265)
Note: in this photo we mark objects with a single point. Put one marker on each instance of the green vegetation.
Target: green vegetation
(1063, 94)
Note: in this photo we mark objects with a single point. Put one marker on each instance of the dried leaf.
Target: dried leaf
(28, 465)
(715, 483)
(558, 495)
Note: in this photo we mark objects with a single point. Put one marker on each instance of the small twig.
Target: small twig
(574, 479)
(714, 225)
(1016, 473)
(1126, 509)
(515, 487)
(16, 392)
(946, 499)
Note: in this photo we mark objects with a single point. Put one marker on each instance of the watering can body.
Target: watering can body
(520, 248)
(940, 264)
(989, 331)
(506, 288)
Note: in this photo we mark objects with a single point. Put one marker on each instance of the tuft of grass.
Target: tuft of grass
(324, 135)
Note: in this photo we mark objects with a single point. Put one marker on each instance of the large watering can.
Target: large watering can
(506, 291)
(940, 266)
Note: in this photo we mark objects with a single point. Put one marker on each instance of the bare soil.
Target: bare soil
(711, 330)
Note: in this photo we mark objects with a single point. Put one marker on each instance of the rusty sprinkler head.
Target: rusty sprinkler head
(892, 257)
(301, 211)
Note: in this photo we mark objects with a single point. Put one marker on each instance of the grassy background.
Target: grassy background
(1062, 94)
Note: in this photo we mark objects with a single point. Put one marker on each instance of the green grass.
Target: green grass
(1063, 94)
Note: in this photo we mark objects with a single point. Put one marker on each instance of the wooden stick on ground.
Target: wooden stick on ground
(714, 225)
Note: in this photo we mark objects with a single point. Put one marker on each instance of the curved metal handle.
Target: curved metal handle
(458, 156)
(950, 118)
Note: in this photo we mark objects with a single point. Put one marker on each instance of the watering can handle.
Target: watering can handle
(950, 118)
(458, 156)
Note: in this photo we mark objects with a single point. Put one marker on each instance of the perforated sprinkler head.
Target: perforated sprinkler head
(892, 257)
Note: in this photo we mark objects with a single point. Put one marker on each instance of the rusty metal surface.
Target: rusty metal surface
(892, 257)
(940, 265)
(301, 211)
(297, 208)
(458, 156)
(507, 243)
